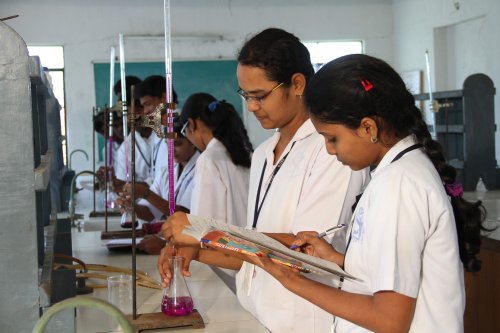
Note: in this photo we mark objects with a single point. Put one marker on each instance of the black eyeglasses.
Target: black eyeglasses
(258, 99)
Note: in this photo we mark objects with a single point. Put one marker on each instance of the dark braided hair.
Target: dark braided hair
(337, 95)
(225, 123)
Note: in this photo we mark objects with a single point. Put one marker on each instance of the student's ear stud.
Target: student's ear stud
(373, 139)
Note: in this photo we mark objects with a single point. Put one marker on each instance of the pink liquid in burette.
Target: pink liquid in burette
(178, 306)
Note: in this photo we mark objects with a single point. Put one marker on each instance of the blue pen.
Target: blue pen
(323, 234)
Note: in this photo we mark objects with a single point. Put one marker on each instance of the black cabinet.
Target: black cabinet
(465, 127)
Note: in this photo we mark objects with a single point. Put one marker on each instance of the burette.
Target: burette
(170, 107)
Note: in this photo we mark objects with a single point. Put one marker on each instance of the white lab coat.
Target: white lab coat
(184, 185)
(311, 191)
(159, 155)
(221, 187)
(403, 238)
(142, 159)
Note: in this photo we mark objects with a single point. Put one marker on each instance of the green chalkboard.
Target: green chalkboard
(216, 77)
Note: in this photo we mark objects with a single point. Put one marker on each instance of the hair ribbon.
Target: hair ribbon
(366, 84)
(454, 189)
(213, 105)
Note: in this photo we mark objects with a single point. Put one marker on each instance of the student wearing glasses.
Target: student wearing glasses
(152, 200)
(222, 170)
(295, 184)
(412, 232)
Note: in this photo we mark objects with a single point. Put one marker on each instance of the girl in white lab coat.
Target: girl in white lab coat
(295, 184)
(403, 246)
(222, 170)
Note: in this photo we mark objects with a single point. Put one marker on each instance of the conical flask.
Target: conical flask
(126, 220)
(176, 299)
(111, 197)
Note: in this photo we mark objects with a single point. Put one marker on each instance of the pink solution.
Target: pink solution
(111, 204)
(179, 306)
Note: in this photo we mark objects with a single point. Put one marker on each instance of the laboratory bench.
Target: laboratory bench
(219, 306)
(213, 299)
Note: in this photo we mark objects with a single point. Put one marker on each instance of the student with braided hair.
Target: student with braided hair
(402, 245)
(295, 184)
(223, 168)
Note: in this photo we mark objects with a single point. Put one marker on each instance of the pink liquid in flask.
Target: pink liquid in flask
(176, 299)
(179, 306)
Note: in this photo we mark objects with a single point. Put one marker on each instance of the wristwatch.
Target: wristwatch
(146, 193)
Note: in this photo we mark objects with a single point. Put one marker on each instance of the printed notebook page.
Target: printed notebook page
(272, 244)
(200, 226)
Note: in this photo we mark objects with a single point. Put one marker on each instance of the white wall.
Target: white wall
(87, 29)
(461, 41)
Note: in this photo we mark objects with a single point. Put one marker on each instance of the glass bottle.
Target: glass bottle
(111, 198)
(126, 220)
(176, 299)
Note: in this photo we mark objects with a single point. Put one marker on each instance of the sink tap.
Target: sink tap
(71, 204)
(77, 151)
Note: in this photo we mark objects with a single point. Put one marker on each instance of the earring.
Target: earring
(373, 139)
(299, 96)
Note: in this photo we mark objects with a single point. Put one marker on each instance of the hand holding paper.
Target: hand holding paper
(220, 235)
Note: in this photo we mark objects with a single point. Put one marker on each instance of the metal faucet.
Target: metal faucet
(77, 151)
(71, 204)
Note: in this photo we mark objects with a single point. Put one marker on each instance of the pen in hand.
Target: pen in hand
(323, 234)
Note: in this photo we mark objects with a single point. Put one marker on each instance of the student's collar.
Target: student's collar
(192, 160)
(190, 164)
(304, 131)
(394, 151)
(213, 141)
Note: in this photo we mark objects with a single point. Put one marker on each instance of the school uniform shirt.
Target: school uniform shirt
(183, 186)
(403, 239)
(310, 192)
(221, 187)
(142, 159)
(159, 155)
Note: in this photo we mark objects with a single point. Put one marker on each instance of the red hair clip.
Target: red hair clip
(366, 84)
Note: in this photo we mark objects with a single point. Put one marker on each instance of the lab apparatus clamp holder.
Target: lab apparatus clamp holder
(157, 320)
(107, 113)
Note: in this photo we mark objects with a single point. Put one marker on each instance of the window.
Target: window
(323, 52)
(52, 59)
